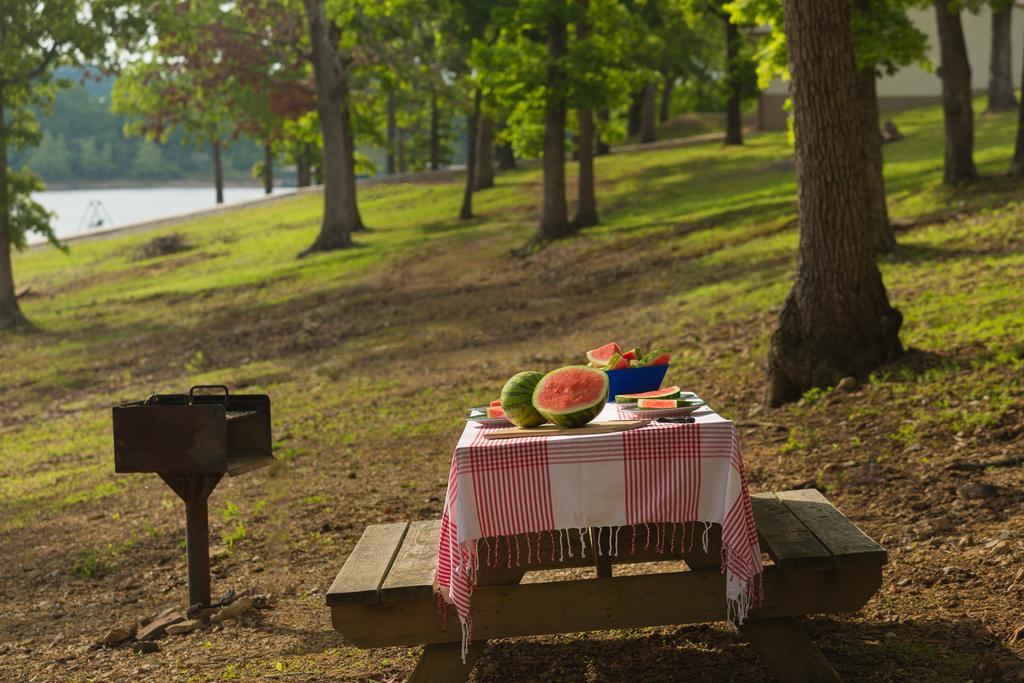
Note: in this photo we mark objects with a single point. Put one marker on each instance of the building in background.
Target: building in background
(913, 86)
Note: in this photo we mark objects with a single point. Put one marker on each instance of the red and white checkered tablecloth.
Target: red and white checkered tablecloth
(660, 473)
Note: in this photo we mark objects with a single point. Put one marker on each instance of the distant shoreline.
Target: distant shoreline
(137, 184)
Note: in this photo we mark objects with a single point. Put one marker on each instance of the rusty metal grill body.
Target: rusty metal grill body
(192, 440)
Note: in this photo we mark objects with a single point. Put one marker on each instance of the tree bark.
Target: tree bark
(586, 202)
(467, 197)
(484, 174)
(268, 169)
(648, 114)
(10, 311)
(666, 98)
(877, 209)
(836, 320)
(303, 170)
(392, 132)
(402, 166)
(218, 172)
(956, 97)
(435, 155)
(602, 146)
(1000, 84)
(554, 222)
(733, 113)
(634, 115)
(1017, 167)
(341, 215)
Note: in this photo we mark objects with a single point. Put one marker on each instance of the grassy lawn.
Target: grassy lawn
(370, 356)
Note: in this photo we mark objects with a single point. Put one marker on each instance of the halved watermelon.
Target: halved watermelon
(667, 392)
(495, 411)
(571, 396)
(602, 354)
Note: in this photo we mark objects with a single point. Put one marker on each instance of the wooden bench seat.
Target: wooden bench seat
(821, 563)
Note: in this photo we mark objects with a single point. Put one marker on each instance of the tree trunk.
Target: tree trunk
(956, 97)
(1017, 167)
(402, 166)
(435, 155)
(586, 202)
(837, 320)
(392, 132)
(303, 171)
(268, 169)
(218, 172)
(877, 209)
(554, 222)
(10, 311)
(506, 157)
(341, 217)
(648, 114)
(1000, 84)
(634, 115)
(666, 98)
(733, 114)
(467, 198)
(602, 146)
(484, 174)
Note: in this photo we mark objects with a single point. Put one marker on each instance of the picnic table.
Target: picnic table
(661, 493)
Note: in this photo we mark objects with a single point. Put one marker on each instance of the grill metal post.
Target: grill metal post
(195, 490)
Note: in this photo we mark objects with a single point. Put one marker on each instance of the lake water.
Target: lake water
(76, 209)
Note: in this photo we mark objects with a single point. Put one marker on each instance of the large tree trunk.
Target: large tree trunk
(392, 132)
(554, 222)
(956, 97)
(837, 320)
(506, 157)
(341, 216)
(733, 113)
(303, 168)
(666, 98)
(586, 202)
(1017, 167)
(1000, 70)
(484, 173)
(878, 210)
(471, 141)
(602, 146)
(218, 172)
(402, 166)
(648, 116)
(10, 312)
(635, 114)
(268, 169)
(435, 145)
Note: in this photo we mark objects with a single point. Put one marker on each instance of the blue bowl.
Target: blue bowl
(635, 380)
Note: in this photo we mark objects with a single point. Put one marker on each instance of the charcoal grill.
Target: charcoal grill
(192, 440)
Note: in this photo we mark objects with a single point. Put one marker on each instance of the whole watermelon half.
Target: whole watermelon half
(517, 399)
(571, 396)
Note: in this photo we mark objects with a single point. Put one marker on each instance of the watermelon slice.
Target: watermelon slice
(616, 362)
(656, 357)
(602, 354)
(632, 354)
(495, 411)
(667, 392)
(495, 403)
(571, 396)
(662, 403)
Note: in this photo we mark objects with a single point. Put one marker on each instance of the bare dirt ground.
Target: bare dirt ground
(949, 510)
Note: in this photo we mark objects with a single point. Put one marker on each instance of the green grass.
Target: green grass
(722, 221)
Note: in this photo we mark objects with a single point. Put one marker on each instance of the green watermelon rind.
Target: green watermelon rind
(651, 356)
(577, 417)
(632, 398)
(517, 399)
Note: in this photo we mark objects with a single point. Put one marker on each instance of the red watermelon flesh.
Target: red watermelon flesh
(495, 411)
(632, 354)
(658, 403)
(602, 354)
(617, 362)
(496, 403)
(667, 392)
(663, 359)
